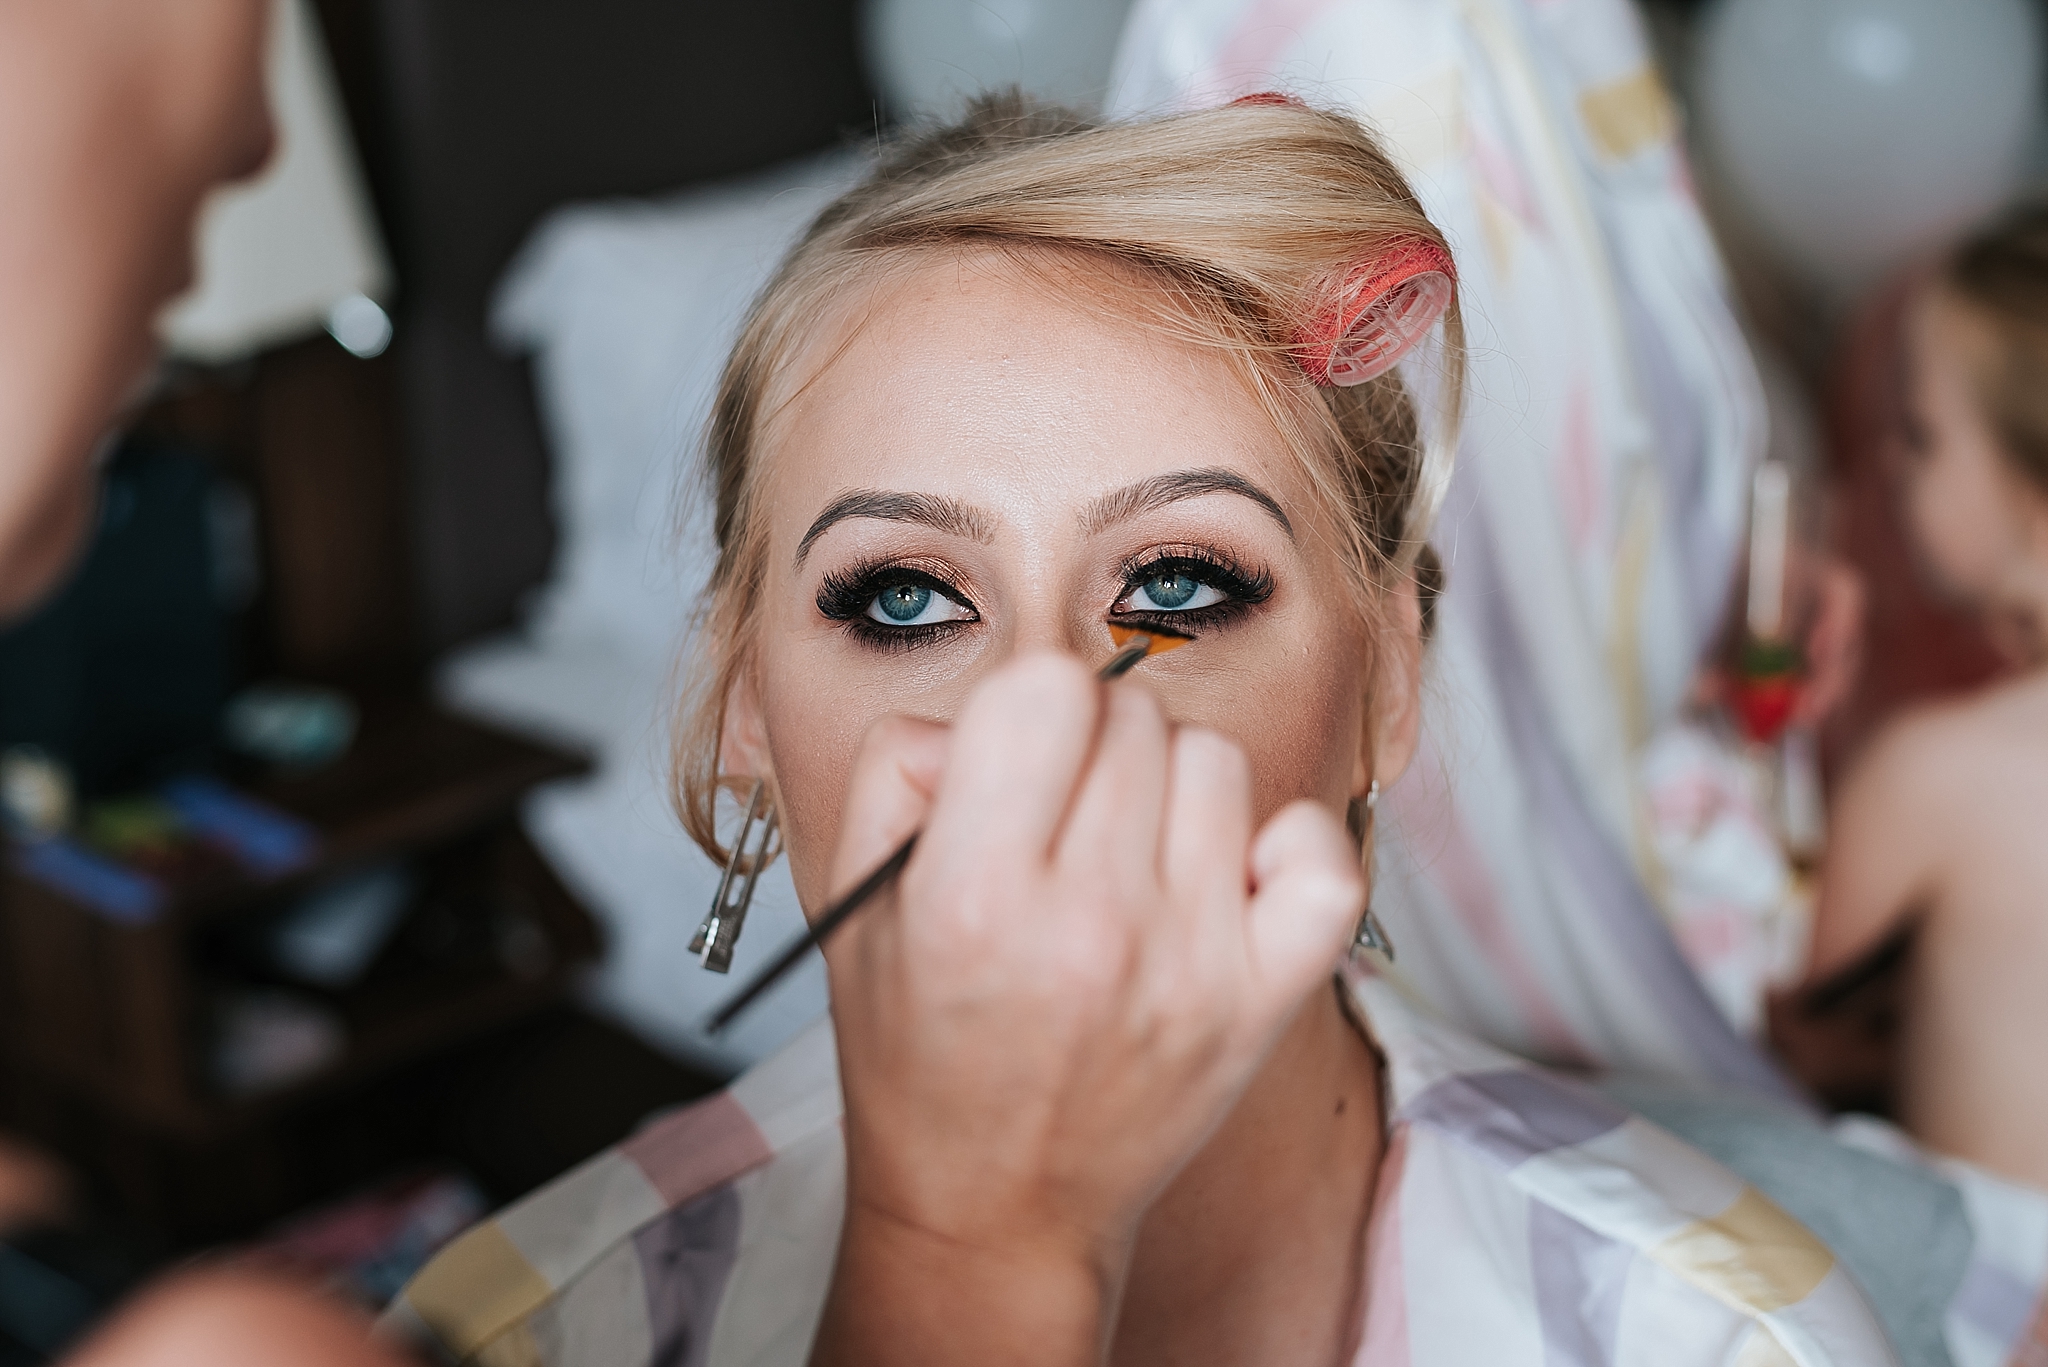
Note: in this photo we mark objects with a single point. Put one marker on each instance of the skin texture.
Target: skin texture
(1941, 819)
(1103, 1101)
(116, 117)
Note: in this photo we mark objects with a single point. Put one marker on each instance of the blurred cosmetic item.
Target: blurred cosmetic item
(37, 795)
(268, 1038)
(331, 936)
(297, 249)
(293, 726)
(928, 56)
(1856, 133)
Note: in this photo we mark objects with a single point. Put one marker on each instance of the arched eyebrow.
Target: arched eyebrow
(927, 510)
(1157, 491)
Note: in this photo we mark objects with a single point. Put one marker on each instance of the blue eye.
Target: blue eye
(1171, 591)
(913, 604)
(904, 602)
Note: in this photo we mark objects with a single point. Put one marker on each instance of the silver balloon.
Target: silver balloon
(928, 56)
(1858, 132)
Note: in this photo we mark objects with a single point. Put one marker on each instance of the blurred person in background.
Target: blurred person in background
(116, 119)
(1938, 826)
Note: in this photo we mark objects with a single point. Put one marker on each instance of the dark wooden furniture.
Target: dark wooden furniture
(107, 1025)
(476, 118)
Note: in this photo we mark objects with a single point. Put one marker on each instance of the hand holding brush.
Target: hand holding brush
(1131, 646)
(1094, 951)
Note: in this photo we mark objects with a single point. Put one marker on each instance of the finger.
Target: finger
(1018, 751)
(1112, 830)
(1308, 893)
(1208, 821)
(889, 794)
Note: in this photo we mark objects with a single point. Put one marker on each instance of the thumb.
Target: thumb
(888, 795)
(1308, 893)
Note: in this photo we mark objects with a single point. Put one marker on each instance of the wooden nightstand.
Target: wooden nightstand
(107, 1024)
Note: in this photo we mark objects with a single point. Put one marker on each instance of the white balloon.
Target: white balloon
(928, 56)
(1859, 132)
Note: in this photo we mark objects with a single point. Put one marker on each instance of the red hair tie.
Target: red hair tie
(1385, 304)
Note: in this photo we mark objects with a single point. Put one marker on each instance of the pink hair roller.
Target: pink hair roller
(1279, 97)
(1385, 305)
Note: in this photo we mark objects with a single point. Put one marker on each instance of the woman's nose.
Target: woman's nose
(1082, 634)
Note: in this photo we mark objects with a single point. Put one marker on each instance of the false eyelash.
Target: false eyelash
(1244, 586)
(844, 595)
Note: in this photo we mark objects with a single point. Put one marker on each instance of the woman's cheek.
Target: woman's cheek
(813, 749)
(1299, 728)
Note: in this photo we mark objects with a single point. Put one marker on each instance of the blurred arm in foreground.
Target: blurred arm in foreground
(116, 118)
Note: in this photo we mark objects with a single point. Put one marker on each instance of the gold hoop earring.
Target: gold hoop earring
(719, 935)
(1370, 933)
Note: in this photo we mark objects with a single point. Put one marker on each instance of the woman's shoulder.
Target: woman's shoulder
(640, 1246)
(1941, 751)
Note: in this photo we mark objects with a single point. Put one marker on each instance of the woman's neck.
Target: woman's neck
(1255, 1253)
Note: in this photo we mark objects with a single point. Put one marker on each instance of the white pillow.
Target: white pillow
(628, 310)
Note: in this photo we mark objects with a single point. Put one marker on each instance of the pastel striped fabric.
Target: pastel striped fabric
(1520, 1219)
(1998, 1316)
(1613, 415)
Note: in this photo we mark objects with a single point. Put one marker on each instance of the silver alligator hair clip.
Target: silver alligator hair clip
(716, 939)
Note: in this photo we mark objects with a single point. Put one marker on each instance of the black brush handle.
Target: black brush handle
(885, 873)
(835, 915)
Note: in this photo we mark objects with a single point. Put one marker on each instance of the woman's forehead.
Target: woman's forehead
(978, 372)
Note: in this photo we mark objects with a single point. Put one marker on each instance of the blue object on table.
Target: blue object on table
(265, 840)
(115, 891)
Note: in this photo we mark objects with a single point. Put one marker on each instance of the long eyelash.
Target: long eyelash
(1244, 586)
(844, 595)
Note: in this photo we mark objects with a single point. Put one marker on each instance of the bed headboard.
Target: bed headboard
(492, 112)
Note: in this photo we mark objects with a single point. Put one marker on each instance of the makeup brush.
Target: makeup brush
(1132, 645)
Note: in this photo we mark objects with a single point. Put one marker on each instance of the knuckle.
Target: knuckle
(891, 734)
(1047, 677)
(1135, 704)
(1305, 838)
(1034, 688)
(1308, 824)
(1333, 883)
(1091, 957)
(1221, 758)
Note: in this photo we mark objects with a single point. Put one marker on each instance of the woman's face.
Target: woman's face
(1965, 506)
(991, 464)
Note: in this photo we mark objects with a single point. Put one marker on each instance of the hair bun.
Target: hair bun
(1384, 305)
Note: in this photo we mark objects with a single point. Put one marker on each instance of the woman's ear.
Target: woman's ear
(742, 737)
(1394, 726)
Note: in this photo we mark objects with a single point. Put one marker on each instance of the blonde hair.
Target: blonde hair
(2001, 277)
(1237, 222)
